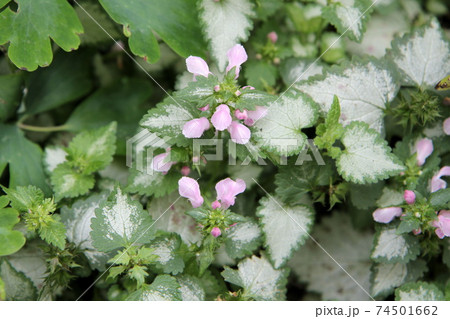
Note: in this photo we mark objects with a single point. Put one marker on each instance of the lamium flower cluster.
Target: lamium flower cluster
(223, 116)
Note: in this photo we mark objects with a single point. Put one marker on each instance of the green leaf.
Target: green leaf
(242, 239)
(280, 131)
(440, 199)
(141, 18)
(67, 182)
(367, 158)
(258, 279)
(419, 291)
(170, 259)
(349, 248)
(93, 150)
(54, 232)
(120, 222)
(53, 156)
(77, 219)
(390, 197)
(331, 130)
(191, 288)
(163, 288)
(249, 99)
(235, 15)
(260, 74)
(285, 228)
(10, 94)
(446, 252)
(24, 198)
(29, 30)
(10, 240)
(108, 104)
(349, 17)
(390, 247)
(197, 92)
(363, 87)
(365, 196)
(422, 56)
(156, 184)
(24, 159)
(17, 285)
(66, 80)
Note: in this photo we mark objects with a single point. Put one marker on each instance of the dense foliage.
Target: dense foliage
(224, 150)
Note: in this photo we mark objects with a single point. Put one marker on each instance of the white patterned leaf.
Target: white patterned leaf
(258, 279)
(386, 277)
(163, 288)
(280, 130)
(15, 284)
(285, 229)
(348, 16)
(226, 23)
(423, 56)
(389, 247)
(169, 258)
(53, 156)
(363, 89)
(190, 288)
(390, 197)
(419, 291)
(120, 222)
(155, 183)
(242, 239)
(367, 158)
(78, 228)
(350, 248)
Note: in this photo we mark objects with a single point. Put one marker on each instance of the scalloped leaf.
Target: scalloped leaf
(30, 29)
(363, 89)
(367, 158)
(10, 240)
(17, 286)
(191, 289)
(225, 23)
(390, 247)
(170, 260)
(120, 222)
(242, 239)
(141, 18)
(280, 131)
(285, 229)
(258, 279)
(419, 291)
(349, 17)
(156, 184)
(350, 248)
(163, 288)
(422, 56)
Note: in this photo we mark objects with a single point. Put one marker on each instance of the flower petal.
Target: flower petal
(160, 164)
(386, 215)
(227, 189)
(195, 128)
(189, 188)
(447, 126)
(221, 118)
(253, 116)
(236, 56)
(423, 149)
(239, 133)
(197, 66)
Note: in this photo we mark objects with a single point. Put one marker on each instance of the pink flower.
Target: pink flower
(189, 188)
(253, 116)
(447, 126)
(216, 88)
(386, 215)
(417, 231)
(185, 170)
(195, 128)
(227, 189)
(236, 56)
(248, 87)
(436, 182)
(241, 115)
(442, 224)
(216, 232)
(197, 66)
(215, 204)
(409, 196)
(221, 118)
(160, 164)
(205, 108)
(273, 37)
(423, 148)
(240, 134)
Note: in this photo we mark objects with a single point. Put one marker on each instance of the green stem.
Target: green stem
(47, 129)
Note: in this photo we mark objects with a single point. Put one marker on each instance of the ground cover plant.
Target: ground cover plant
(224, 150)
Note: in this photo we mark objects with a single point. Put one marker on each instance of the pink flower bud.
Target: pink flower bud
(217, 88)
(236, 56)
(442, 224)
(216, 232)
(197, 66)
(189, 188)
(409, 196)
(221, 118)
(423, 149)
(253, 116)
(205, 108)
(241, 115)
(185, 170)
(248, 87)
(417, 231)
(237, 93)
(386, 215)
(160, 163)
(239, 133)
(447, 126)
(436, 182)
(273, 37)
(195, 128)
(227, 189)
(215, 204)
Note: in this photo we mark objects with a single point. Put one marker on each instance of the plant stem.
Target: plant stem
(46, 129)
